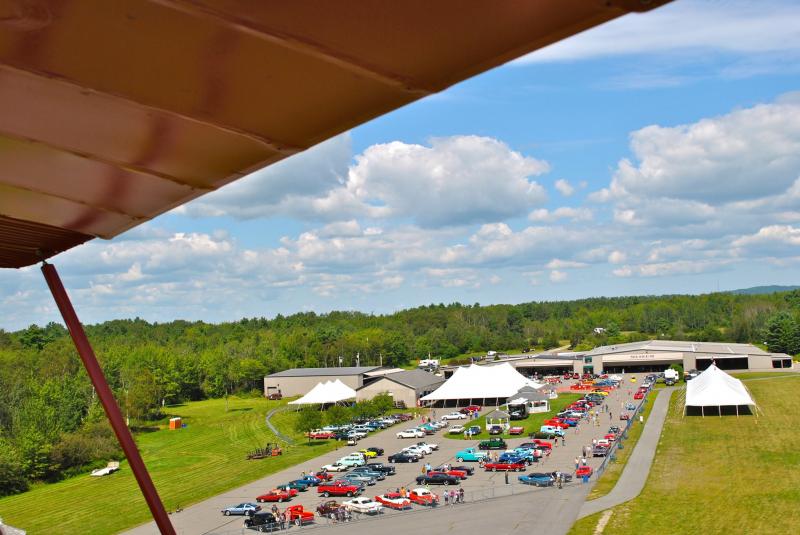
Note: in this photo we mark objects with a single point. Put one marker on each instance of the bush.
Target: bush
(12, 475)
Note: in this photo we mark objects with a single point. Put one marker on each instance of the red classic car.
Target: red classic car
(516, 430)
(584, 471)
(283, 488)
(320, 435)
(393, 500)
(470, 408)
(298, 515)
(638, 395)
(500, 466)
(423, 496)
(460, 474)
(274, 495)
(543, 443)
(556, 422)
(339, 488)
(324, 476)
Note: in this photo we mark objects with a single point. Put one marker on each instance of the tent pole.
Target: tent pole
(110, 406)
(737, 411)
(703, 410)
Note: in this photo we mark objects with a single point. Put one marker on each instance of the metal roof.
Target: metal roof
(415, 379)
(112, 113)
(720, 348)
(328, 372)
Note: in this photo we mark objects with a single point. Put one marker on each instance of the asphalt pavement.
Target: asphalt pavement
(491, 504)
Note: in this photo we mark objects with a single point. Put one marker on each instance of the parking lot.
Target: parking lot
(205, 517)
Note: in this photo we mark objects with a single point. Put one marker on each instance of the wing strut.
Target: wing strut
(107, 399)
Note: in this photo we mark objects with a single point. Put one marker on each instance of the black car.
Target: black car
(545, 436)
(599, 451)
(380, 467)
(437, 479)
(403, 458)
(378, 451)
(518, 415)
(495, 430)
(262, 521)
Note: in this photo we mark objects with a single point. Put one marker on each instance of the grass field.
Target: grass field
(531, 424)
(204, 459)
(721, 475)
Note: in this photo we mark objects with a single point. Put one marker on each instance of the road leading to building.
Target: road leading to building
(634, 476)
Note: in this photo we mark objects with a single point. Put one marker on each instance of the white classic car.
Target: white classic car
(362, 504)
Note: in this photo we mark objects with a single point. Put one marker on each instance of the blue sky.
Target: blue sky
(588, 168)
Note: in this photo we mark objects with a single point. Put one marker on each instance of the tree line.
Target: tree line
(51, 425)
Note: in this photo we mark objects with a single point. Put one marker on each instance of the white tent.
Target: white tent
(482, 382)
(715, 388)
(327, 392)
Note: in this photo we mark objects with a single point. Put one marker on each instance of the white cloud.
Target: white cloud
(564, 187)
(773, 240)
(563, 264)
(557, 276)
(746, 154)
(679, 267)
(456, 180)
(288, 187)
(617, 257)
(739, 26)
(564, 212)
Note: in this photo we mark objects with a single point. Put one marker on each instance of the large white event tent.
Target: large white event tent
(715, 388)
(482, 382)
(327, 392)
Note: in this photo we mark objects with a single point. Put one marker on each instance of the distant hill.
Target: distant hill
(756, 290)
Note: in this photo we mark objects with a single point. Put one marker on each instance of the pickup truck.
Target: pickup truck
(552, 430)
(339, 488)
(299, 516)
(470, 454)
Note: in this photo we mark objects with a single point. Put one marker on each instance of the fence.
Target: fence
(618, 444)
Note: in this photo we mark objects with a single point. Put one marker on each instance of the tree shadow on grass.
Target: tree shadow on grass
(241, 409)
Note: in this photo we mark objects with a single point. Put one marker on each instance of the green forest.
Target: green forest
(51, 425)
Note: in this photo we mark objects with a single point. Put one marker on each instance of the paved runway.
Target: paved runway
(517, 508)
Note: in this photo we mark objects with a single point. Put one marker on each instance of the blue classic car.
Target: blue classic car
(298, 484)
(242, 509)
(471, 454)
(526, 454)
(537, 479)
(310, 480)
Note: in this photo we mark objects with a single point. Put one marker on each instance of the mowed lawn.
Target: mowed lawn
(721, 475)
(204, 459)
(531, 424)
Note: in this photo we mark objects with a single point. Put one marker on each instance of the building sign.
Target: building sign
(643, 357)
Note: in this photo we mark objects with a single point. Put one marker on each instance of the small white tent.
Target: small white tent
(715, 388)
(327, 392)
(482, 382)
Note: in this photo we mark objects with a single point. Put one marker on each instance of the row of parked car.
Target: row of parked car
(357, 430)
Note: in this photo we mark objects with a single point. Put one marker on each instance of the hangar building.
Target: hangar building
(657, 355)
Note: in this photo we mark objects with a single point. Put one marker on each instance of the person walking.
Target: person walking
(506, 473)
(446, 498)
(563, 440)
(461, 495)
(577, 463)
(584, 461)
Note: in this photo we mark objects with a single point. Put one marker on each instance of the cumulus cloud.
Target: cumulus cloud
(564, 187)
(288, 187)
(456, 180)
(557, 276)
(748, 153)
(679, 267)
(773, 240)
(564, 212)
